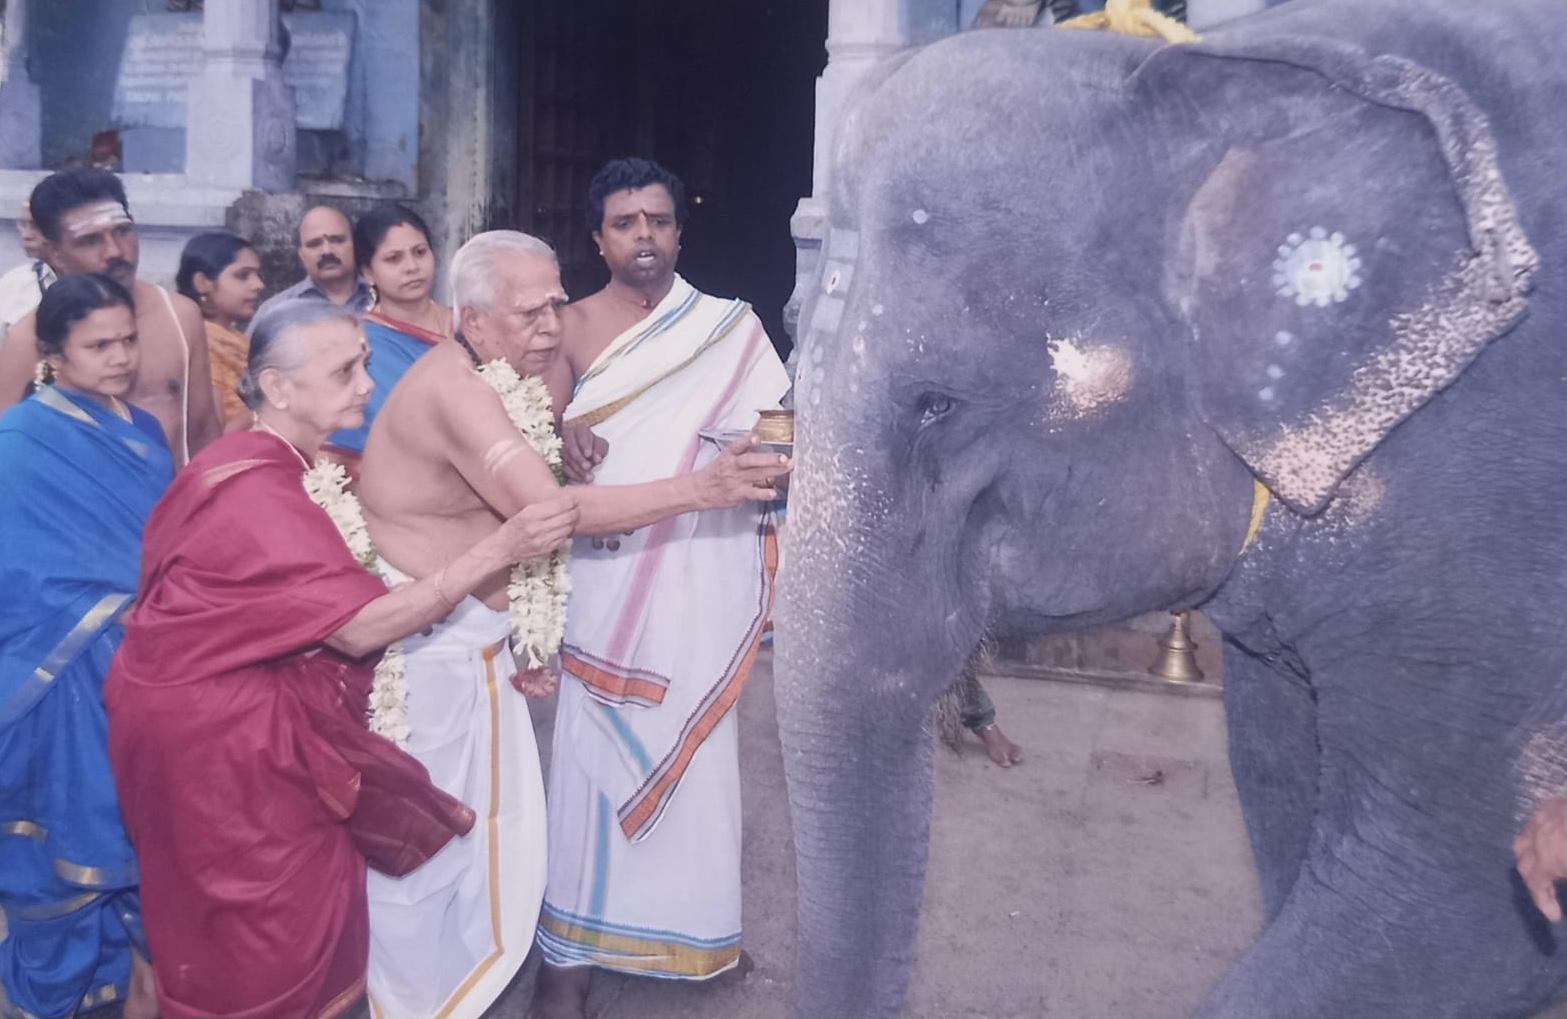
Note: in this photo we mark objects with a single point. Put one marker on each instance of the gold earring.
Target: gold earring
(375, 296)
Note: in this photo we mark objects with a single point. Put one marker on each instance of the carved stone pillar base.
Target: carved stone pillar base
(239, 144)
(240, 112)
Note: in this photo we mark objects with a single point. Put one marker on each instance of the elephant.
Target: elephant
(1270, 324)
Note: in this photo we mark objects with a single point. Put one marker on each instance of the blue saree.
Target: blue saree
(394, 347)
(77, 483)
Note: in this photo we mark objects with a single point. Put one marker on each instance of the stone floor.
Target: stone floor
(1108, 875)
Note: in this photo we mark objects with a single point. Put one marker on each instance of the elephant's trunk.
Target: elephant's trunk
(852, 711)
(860, 793)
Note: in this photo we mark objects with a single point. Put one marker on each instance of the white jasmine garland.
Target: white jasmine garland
(327, 486)
(539, 587)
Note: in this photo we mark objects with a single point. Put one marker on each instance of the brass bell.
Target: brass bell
(1177, 661)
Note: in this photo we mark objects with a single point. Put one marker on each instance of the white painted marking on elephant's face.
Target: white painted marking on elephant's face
(1088, 379)
(877, 309)
(1429, 346)
(1318, 268)
(921, 217)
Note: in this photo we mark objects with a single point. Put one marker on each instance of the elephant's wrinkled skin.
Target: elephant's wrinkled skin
(1079, 292)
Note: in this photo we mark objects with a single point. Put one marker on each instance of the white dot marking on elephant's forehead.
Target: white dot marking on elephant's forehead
(1283, 337)
(1087, 377)
(1275, 372)
(921, 217)
(858, 343)
(877, 309)
(864, 325)
(1317, 269)
(1265, 394)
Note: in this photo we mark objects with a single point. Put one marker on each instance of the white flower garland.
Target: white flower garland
(327, 485)
(538, 588)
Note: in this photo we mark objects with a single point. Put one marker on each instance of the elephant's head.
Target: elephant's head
(1079, 293)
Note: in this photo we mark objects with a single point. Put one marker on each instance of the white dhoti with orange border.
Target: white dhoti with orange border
(661, 631)
(446, 939)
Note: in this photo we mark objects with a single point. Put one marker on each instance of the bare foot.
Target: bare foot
(1001, 750)
(141, 1001)
(561, 992)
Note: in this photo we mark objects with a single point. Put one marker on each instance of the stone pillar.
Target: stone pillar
(240, 114)
(859, 34)
(20, 113)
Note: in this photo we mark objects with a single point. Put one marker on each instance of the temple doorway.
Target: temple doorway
(721, 93)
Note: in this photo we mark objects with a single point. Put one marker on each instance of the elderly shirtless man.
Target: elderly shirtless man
(87, 227)
(443, 467)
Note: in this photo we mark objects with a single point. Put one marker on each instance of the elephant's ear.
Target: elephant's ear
(1348, 248)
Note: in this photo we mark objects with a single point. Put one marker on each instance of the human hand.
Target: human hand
(739, 475)
(537, 529)
(535, 684)
(1541, 849)
(581, 451)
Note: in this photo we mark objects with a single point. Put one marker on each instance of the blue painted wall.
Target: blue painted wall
(73, 55)
(74, 49)
(382, 117)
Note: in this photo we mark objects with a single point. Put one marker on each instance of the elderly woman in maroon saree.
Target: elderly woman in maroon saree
(249, 784)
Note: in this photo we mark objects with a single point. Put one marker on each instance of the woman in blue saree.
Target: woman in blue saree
(392, 245)
(80, 470)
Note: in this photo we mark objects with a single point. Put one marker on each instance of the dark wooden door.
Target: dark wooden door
(576, 108)
(721, 92)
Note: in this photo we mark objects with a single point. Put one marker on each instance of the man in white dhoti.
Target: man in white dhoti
(663, 623)
(445, 464)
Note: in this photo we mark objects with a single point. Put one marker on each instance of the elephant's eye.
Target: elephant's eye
(933, 406)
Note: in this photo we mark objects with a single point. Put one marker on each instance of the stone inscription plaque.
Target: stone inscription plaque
(163, 55)
(320, 45)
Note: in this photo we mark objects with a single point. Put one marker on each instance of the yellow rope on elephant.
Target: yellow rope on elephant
(1133, 17)
(1260, 497)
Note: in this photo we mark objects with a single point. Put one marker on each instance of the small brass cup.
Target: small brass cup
(774, 426)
